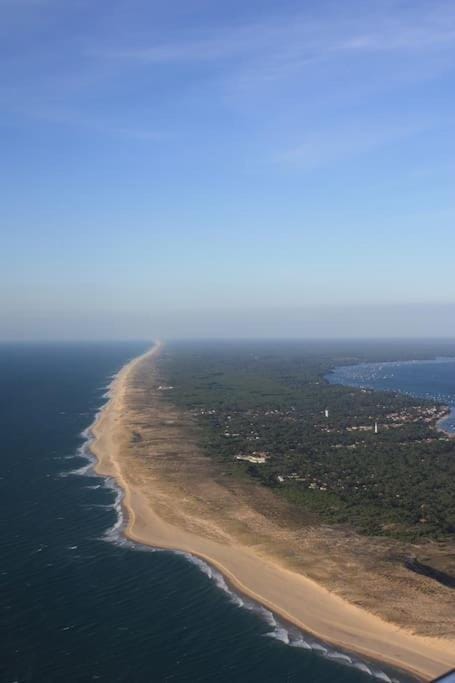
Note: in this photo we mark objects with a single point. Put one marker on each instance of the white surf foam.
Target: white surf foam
(215, 576)
(301, 642)
(288, 636)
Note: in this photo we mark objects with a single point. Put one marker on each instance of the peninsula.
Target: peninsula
(327, 581)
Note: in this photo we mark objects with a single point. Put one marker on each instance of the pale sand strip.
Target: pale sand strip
(290, 595)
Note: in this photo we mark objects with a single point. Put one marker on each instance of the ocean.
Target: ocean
(79, 602)
(428, 379)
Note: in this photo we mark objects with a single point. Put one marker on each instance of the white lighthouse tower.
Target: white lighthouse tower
(326, 412)
(375, 427)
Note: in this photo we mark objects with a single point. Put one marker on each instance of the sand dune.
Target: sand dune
(156, 520)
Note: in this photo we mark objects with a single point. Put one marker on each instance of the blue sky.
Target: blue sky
(167, 167)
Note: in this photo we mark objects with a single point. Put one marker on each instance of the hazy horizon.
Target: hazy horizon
(370, 322)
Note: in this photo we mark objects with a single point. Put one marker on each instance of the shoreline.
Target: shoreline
(450, 411)
(293, 597)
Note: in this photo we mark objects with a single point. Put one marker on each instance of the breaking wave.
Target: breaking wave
(286, 634)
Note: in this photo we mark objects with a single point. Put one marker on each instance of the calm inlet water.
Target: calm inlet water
(430, 379)
(79, 603)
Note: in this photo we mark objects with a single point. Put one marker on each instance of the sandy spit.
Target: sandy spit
(290, 595)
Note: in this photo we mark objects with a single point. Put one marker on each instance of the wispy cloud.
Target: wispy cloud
(194, 51)
(325, 51)
(323, 148)
(416, 39)
(101, 126)
(428, 26)
(252, 64)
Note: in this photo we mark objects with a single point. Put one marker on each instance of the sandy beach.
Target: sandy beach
(137, 443)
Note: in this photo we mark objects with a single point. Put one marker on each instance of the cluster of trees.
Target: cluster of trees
(272, 398)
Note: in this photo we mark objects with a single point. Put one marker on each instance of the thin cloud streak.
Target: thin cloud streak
(55, 114)
(326, 147)
(255, 57)
(304, 38)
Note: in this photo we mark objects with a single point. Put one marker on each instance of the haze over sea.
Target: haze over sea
(80, 602)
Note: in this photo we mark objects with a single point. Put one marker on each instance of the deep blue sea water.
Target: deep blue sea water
(78, 603)
(429, 379)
